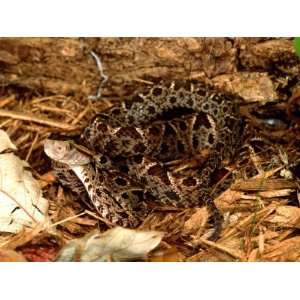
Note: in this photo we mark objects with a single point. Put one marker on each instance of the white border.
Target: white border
(150, 18)
(149, 281)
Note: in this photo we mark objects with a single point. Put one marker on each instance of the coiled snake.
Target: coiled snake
(161, 147)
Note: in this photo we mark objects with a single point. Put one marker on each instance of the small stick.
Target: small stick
(5, 123)
(234, 253)
(143, 81)
(52, 98)
(52, 109)
(86, 212)
(68, 219)
(9, 99)
(103, 77)
(29, 117)
(31, 147)
(36, 128)
(81, 115)
(22, 139)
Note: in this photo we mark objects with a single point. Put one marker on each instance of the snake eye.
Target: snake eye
(103, 160)
(62, 149)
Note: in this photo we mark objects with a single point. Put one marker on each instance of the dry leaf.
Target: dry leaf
(5, 142)
(117, 244)
(21, 200)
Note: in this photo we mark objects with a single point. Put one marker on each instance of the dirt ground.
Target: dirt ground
(46, 84)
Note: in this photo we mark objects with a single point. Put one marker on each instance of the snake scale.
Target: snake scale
(159, 147)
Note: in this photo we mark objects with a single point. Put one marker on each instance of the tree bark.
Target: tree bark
(64, 65)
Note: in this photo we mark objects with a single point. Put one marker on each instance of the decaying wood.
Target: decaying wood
(264, 184)
(65, 66)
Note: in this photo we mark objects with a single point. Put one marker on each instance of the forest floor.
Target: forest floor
(45, 89)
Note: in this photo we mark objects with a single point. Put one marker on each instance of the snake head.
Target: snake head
(65, 152)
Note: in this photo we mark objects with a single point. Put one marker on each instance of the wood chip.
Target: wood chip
(264, 184)
(32, 118)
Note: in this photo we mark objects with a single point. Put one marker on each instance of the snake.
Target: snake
(158, 147)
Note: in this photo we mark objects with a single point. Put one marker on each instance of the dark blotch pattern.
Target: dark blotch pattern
(190, 181)
(120, 181)
(157, 91)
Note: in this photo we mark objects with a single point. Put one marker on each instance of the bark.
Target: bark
(65, 66)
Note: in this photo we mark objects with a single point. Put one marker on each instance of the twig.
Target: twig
(54, 109)
(36, 128)
(29, 117)
(234, 253)
(7, 100)
(52, 98)
(143, 81)
(31, 147)
(81, 115)
(86, 212)
(22, 139)
(103, 77)
(68, 219)
(5, 123)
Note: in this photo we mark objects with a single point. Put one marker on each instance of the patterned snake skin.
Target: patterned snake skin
(159, 147)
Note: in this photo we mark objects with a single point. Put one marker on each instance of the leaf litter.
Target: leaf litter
(117, 244)
(21, 200)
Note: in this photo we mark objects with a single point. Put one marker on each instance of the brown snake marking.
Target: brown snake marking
(162, 146)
